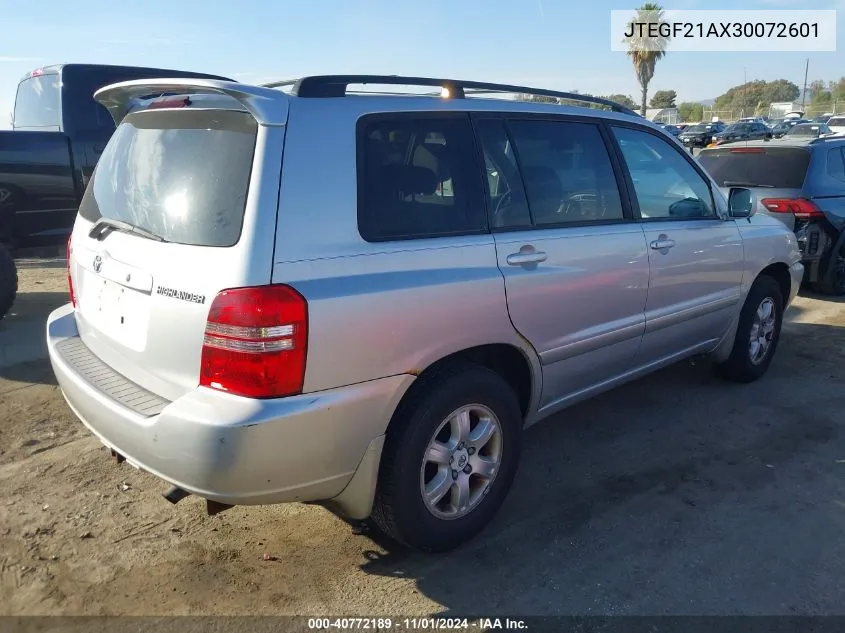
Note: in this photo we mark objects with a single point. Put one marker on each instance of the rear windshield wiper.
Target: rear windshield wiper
(104, 226)
(737, 183)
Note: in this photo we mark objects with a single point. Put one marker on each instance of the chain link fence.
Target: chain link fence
(810, 112)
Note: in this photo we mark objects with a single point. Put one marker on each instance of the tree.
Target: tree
(664, 99)
(756, 93)
(779, 90)
(691, 112)
(837, 89)
(621, 99)
(819, 94)
(643, 49)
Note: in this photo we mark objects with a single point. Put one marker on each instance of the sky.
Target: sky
(556, 44)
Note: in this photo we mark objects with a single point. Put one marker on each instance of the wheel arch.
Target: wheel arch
(779, 271)
(519, 367)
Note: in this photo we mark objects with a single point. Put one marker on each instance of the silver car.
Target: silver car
(297, 293)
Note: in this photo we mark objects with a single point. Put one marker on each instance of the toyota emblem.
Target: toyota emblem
(98, 263)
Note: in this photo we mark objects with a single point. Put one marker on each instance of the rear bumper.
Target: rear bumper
(231, 449)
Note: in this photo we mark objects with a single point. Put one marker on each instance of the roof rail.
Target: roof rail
(829, 137)
(319, 86)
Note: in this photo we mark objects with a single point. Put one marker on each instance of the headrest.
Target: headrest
(407, 179)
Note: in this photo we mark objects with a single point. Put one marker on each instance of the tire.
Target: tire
(400, 509)
(746, 364)
(832, 278)
(8, 281)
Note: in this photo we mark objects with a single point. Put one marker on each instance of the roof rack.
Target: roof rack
(321, 86)
(824, 139)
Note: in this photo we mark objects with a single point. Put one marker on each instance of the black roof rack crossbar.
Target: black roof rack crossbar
(335, 86)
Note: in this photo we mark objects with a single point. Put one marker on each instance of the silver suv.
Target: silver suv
(300, 293)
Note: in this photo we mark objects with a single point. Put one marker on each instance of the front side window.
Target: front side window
(418, 178)
(666, 185)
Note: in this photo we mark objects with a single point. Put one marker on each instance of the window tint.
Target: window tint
(38, 101)
(666, 185)
(779, 167)
(566, 171)
(418, 177)
(836, 163)
(181, 175)
(506, 197)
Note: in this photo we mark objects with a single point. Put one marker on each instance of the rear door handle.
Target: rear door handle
(526, 257)
(662, 243)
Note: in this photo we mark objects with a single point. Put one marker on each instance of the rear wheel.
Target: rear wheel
(832, 281)
(8, 281)
(450, 458)
(757, 334)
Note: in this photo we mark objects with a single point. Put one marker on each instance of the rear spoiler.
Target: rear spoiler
(267, 106)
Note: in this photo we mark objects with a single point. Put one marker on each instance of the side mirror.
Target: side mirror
(742, 203)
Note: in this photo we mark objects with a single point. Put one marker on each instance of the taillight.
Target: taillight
(799, 207)
(69, 277)
(255, 342)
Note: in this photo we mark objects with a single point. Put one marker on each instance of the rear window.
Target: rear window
(38, 102)
(181, 175)
(770, 167)
(838, 121)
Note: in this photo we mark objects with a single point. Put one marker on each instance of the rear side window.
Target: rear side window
(778, 167)
(418, 177)
(838, 121)
(182, 175)
(836, 163)
(38, 102)
(566, 171)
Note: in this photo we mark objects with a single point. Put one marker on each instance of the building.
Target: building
(780, 110)
(663, 115)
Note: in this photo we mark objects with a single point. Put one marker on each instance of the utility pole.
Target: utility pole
(804, 92)
(744, 91)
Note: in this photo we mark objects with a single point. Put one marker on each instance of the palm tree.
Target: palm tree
(644, 50)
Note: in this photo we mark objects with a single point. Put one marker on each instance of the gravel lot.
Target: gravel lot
(677, 494)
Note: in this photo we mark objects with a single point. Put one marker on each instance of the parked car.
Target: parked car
(674, 130)
(58, 132)
(837, 124)
(251, 335)
(801, 182)
(808, 130)
(700, 134)
(779, 129)
(746, 131)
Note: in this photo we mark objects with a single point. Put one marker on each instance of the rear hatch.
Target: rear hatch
(166, 222)
(771, 172)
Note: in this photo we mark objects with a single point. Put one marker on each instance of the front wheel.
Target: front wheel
(449, 459)
(757, 334)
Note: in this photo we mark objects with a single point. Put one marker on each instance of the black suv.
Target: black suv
(744, 131)
(802, 183)
(700, 134)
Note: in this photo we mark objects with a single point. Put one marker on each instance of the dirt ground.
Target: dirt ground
(678, 494)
